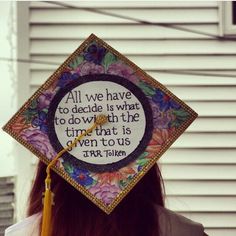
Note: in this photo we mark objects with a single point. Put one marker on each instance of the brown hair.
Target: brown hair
(75, 215)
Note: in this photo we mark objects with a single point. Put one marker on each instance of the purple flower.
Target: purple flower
(66, 78)
(87, 68)
(44, 99)
(40, 121)
(164, 101)
(82, 177)
(123, 70)
(40, 141)
(105, 192)
(94, 54)
(161, 120)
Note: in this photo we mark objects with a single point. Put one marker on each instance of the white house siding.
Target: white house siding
(200, 168)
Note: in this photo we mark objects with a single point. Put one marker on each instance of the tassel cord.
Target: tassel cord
(48, 195)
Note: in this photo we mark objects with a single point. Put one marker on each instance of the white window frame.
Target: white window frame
(228, 28)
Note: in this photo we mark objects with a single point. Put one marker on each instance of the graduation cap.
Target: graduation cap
(101, 122)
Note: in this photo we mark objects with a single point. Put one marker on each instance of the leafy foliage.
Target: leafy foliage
(108, 60)
(76, 62)
(180, 116)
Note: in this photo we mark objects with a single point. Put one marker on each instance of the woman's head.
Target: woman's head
(73, 214)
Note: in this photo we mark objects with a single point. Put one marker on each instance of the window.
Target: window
(229, 18)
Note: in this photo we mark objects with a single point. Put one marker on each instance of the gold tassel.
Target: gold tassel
(48, 195)
(47, 208)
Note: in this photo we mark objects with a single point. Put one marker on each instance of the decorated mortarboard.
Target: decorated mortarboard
(105, 120)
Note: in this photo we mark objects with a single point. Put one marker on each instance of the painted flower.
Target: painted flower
(82, 177)
(39, 140)
(87, 68)
(161, 119)
(41, 121)
(164, 101)
(123, 70)
(95, 54)
(44, 99)
(19, 125)
(159, 137)
(116, 176)
(66, 77)
(105, 192)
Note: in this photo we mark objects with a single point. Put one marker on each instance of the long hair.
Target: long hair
(75, 215)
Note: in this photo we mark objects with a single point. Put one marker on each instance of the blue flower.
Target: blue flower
(41, 121)
(95, 54)
(140, 168)
(164, 101)
(82, 177)
(66, 78)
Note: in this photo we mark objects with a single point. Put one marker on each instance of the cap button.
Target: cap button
(101, 119)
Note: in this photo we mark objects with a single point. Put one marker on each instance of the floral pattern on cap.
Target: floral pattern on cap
(168, 116)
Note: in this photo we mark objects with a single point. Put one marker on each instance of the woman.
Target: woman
(140, 213)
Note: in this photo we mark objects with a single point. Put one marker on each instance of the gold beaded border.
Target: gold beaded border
(147, 78)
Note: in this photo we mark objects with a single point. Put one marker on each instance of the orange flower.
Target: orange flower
(19, 125)
(109, 177)
(159, 137)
